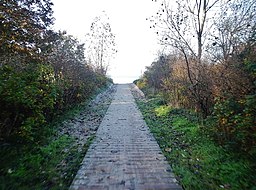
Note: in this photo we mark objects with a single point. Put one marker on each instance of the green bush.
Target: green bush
(236, 121)
(26, 97)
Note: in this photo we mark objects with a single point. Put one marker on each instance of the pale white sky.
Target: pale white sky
(136, 42)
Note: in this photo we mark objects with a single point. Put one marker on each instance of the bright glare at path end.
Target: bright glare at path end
(136, 42)
(124, 80)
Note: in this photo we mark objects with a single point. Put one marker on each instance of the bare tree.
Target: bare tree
(232, 28)
(234, 32)
(102, 46)
(185, 26)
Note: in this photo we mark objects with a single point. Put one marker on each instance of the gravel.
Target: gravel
(86, 123)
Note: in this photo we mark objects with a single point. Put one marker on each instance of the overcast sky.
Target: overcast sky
(136, 42)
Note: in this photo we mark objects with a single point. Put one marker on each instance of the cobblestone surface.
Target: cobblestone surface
(124, 154)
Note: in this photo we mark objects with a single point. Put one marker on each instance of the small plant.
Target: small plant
(163, 110)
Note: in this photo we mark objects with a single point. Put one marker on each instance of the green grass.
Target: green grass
(196, 160)
(43, 167)
(50, 163)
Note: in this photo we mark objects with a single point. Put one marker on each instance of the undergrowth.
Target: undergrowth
(46, 167)
(196, 160)
(51, 163)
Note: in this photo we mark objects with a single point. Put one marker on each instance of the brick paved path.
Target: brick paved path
(124, 154)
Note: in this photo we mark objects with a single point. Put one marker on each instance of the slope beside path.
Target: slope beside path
(124, 154)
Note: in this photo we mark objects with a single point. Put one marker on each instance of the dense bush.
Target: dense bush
(27, 96)
(42, 72)
(30, 96)
(235, 109)
(44, 78)
(236, 123)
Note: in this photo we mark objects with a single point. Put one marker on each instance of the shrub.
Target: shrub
(236, 123)
(26, 96)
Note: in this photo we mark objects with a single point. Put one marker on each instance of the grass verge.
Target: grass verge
(196, 160)
(50, 164)
(44, 167)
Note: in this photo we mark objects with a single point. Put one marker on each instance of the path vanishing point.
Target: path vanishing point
(124, 154)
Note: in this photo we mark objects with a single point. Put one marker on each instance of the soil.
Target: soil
(86, 123)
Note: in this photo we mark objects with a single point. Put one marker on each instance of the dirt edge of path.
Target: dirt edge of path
(86, 123)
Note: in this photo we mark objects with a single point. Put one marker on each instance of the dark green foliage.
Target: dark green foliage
(27, 96)
(51, 166)
(236, 124)
(53, 163)
(41, 72)
(30, 96)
